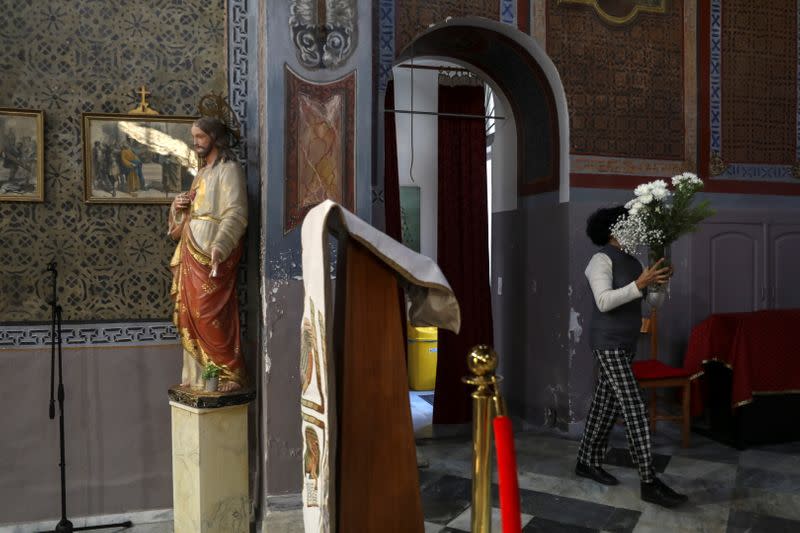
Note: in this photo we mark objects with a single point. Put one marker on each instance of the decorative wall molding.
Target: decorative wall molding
(113, 260)
(508, 12)
(386, 17)
(719, 168)
(238, 65)
(78, 335)
(155, 332)
(239, 53)
(324, 33)
(636, 7)
(594, 167)
(413, 17)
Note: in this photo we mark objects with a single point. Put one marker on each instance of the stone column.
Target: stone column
(210, 485)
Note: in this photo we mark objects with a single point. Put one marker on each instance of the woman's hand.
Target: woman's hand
(654, 274)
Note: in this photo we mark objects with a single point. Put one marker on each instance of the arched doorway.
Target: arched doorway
(528, 87)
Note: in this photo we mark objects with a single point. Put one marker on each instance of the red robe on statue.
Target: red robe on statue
(207, 309)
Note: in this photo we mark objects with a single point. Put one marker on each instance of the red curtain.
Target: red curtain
(391, 179)
(462, 251)
(391, 190)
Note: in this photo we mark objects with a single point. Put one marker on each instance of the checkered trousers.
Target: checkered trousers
(617, 392)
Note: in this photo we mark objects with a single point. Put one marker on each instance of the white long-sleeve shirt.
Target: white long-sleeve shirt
(599, 273)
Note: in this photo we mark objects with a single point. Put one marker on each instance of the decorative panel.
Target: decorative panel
(320, 145)
(89, 56)
(621, 11)
(759, 77)
(624, 84)
(239, 74)
(386, 19)
(508, 12)
(325, 32)
(414, 16)
(749, 94)
(76, 335)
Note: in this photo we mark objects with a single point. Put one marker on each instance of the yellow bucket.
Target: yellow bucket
(422, 354)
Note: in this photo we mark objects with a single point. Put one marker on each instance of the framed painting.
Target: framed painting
(137, 158)
(410, 216)
(21, 155)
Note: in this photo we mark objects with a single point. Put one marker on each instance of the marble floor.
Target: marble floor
(754, 490)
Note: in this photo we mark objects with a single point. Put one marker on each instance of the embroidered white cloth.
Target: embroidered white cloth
(432, 304)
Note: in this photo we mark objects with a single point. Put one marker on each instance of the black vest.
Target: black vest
(619, 327)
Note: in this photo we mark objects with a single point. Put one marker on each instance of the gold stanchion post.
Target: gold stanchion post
(482, 362)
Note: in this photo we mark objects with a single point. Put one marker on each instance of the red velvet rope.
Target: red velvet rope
(507, 474)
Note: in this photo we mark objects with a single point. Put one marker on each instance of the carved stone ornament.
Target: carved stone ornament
(717, 165)
(324, 31)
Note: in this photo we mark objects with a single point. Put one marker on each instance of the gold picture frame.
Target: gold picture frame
(633, 9)
(21, 155)
(141, 159)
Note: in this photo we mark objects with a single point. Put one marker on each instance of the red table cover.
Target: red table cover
(761, 348)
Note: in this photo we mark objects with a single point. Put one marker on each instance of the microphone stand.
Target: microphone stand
(64, 526)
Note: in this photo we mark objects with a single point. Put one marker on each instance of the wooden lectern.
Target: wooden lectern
(360, 466)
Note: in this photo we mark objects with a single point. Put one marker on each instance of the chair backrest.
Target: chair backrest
(650, 327)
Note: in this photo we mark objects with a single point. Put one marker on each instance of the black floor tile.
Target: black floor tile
(544, 525)
(743, 521)
(445, 498)
(427, 397)
(428, 477)
(621, 457)
(574, 512)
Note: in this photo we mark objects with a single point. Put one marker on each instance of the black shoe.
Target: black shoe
(596, 473)
(660, 494)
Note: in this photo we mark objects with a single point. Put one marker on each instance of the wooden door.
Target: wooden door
(784, 266)
(728, 270)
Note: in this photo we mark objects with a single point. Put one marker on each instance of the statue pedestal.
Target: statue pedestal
(209, 461)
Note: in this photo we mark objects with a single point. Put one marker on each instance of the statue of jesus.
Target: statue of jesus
(209, 222)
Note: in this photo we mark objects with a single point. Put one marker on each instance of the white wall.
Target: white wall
(425, 145)
(504, 158)
(425, 148)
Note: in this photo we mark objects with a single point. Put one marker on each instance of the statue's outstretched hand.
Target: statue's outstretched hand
(216, 259)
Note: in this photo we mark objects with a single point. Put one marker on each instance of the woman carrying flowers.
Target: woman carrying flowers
(618, 283)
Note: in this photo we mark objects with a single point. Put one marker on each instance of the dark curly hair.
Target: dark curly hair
(598, 225)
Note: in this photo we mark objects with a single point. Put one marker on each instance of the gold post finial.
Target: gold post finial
(482, 362)
(143, 108)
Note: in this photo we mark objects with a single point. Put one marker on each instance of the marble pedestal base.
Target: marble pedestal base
(209, 466)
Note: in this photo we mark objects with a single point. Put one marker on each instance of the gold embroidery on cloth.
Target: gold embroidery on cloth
(209, 287)
(198, 255)
(311, 420)
(197, 353)
(207, 218)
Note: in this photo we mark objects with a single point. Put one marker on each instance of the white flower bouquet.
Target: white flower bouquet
(659, 214)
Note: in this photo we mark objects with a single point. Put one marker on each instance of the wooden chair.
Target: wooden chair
(653, 374)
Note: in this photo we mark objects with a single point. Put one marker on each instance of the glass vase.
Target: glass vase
(655, 253)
